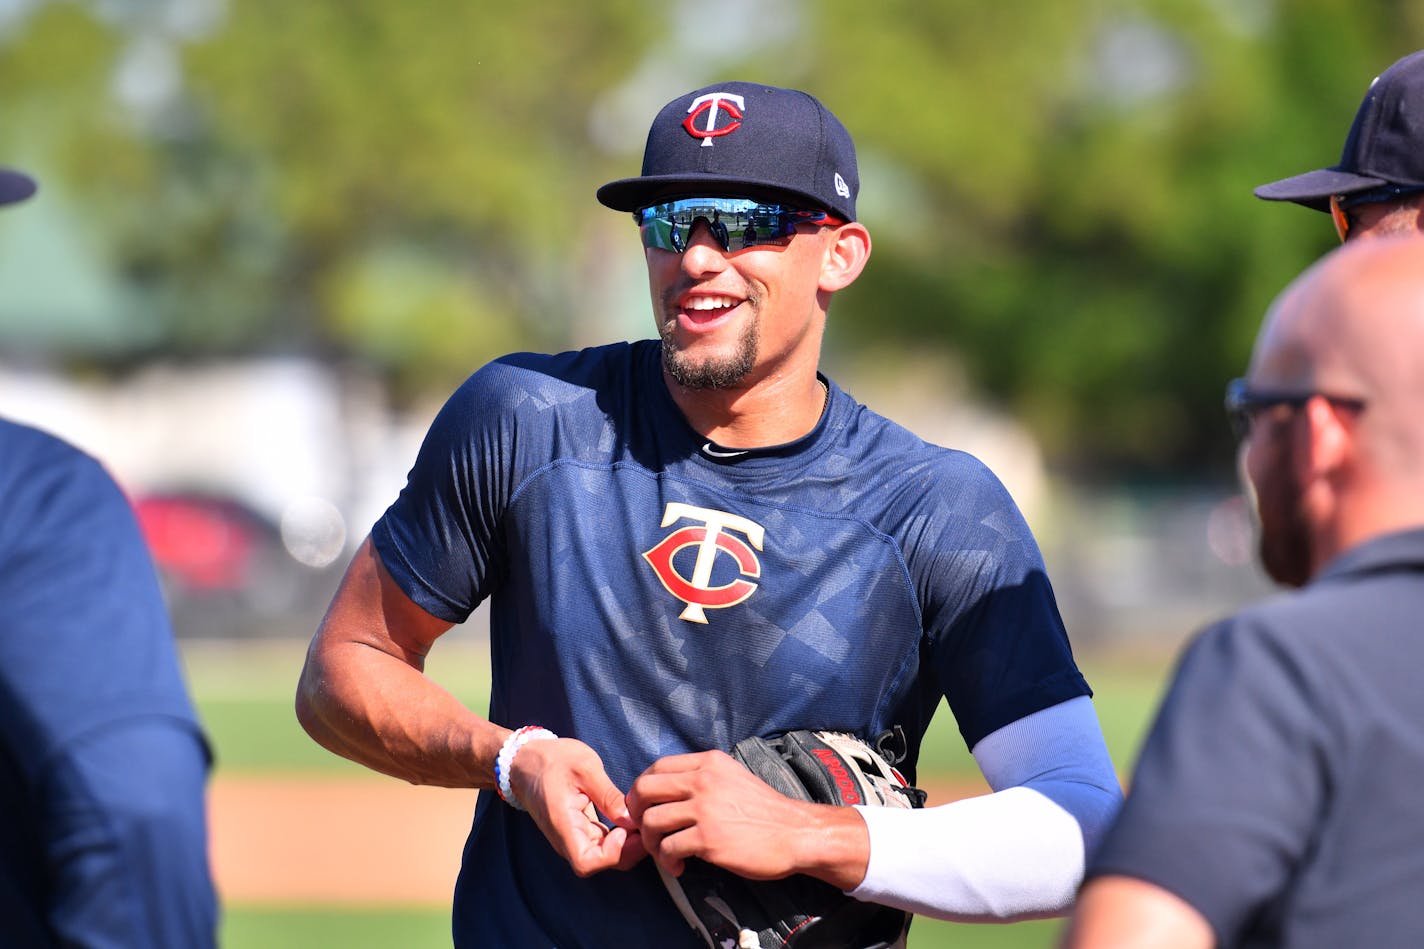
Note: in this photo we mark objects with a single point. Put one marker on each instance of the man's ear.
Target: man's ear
(845, 257)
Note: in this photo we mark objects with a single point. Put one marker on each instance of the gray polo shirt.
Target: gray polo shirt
(1281, 790)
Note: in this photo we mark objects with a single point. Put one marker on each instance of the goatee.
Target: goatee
(709, 373)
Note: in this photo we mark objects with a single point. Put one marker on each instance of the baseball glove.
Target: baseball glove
(801, 912)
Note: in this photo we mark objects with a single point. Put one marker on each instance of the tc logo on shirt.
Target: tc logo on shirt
(714, 532)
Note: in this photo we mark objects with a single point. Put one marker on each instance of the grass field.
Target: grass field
(244, 693)
(348, 928)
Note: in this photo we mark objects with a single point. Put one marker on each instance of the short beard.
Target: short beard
(710, 374)
(1285, 543)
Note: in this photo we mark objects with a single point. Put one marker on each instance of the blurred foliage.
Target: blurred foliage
(1060, 192)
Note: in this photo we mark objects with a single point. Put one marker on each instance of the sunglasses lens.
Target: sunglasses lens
(734, 223)
(1341, 219)
(1240, 422)
(1238, 409)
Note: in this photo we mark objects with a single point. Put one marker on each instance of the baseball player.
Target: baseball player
(103, 765)
(1277, 799)
(692, 540)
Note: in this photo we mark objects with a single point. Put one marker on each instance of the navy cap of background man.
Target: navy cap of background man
(744, 139)
(1385, 145)
(15, 186)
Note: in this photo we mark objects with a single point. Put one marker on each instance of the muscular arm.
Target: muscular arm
(1015, 854)
(1118, 912)
(707, 805)
(363, 695)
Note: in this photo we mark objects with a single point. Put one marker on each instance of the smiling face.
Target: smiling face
(728, 320)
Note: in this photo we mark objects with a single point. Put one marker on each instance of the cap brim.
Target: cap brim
(1314, 188)
(631, 194)
(15, 186)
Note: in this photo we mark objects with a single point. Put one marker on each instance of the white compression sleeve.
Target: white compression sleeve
(1017, 853)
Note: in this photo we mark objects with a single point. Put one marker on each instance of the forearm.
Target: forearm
(1018, 853)
(364, 695)
(366, 705)
(999, 857)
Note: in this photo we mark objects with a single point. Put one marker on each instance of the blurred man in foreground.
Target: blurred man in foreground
(1277, 801)
(103, 766)
(1377, 188)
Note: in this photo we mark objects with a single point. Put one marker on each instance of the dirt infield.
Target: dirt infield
(310, 840)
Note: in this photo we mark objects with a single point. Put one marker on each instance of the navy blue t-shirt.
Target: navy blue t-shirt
(99, 743)
(653, 595)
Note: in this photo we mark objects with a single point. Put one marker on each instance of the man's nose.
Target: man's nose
(704, 253)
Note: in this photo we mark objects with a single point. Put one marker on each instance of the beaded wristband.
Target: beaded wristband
(517, 739)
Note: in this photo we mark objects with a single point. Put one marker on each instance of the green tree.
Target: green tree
(1076, 179)
(1059, 192)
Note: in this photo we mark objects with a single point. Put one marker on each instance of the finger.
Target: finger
(667, 819)
(616, 849)
(670, 858)
(674, 850)
(633, 851)
(598, 848)
(651, 790)
(639, 800)
(605, 795)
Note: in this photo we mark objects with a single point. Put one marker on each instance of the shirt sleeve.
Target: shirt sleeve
(440, 539)
(997, 642)
(1231, 775)
(85, 638)
(1016, 853)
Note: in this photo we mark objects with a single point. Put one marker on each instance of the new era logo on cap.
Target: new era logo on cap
(744, 139)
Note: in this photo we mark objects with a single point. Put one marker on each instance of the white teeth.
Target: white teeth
(710, 303)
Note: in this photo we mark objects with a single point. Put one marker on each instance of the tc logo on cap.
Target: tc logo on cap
(716, 105)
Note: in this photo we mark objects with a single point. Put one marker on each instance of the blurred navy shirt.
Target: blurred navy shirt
(103, 764)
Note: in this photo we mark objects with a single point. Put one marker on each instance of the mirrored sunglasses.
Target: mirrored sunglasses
(734, 223)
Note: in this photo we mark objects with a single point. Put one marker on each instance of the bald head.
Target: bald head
(1352, 327)
(1353, 324)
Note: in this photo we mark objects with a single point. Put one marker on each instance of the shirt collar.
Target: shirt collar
(1392, 551)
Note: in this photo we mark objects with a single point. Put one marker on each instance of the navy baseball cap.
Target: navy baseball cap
(1385, 145)
(747, 139)
(15, 186)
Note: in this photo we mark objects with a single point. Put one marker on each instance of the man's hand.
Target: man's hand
(707, 805)
(563, 785)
